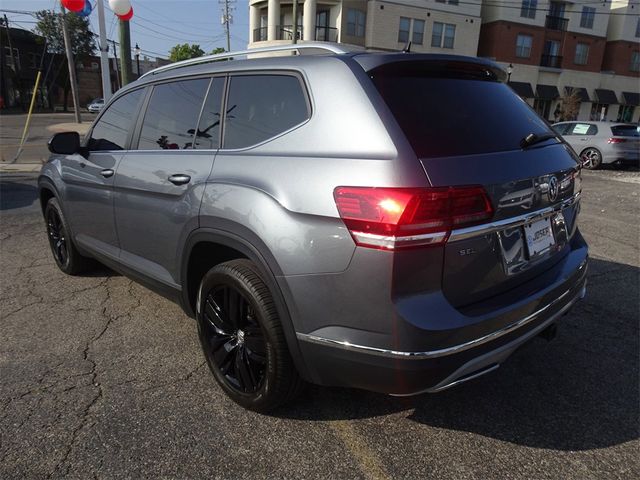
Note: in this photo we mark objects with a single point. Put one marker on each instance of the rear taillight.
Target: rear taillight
(392, 218)
(616, 140)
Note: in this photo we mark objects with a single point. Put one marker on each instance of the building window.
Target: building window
(356, 21)
(449, 31)
(625, 113)
(588, 14)
(523, 46)
(403, 32)
(8, 60)
(528, 9)
(635, 62)
(417, 36)
(582, 54)
(599, 112)
(34, 60)
(543, 107)
(638, 28)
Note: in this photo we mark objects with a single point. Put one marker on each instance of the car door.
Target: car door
(89, 179)
(583, 136)
(159, 185)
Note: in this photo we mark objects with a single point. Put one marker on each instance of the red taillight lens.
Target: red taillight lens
(392, 218)
(616, 140)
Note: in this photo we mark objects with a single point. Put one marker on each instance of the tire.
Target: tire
(242, 337)
(64, 251)
(591, 158)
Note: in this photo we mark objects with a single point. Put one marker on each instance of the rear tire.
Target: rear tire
(242, 337)
(64, 251)
(591, 158)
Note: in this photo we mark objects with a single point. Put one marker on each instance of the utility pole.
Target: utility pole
(295, 21)
(227, 19)
(72, 66)
(104, 54)
(125, 52)
(16, 67)
(115, 55)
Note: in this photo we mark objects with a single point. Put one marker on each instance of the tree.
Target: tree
(184, 52)
(82, 42)
(569, 105)
(218, 50)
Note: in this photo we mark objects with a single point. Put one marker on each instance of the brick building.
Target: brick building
(556, 47)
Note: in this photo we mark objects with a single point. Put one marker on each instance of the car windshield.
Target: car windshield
(625, 131)
(457, 116)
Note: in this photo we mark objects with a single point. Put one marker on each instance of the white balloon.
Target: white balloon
(120, 7)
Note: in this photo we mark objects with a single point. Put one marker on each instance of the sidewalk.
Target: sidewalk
(35, 151)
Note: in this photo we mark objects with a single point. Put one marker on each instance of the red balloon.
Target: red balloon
(126, 16)
(73, 5)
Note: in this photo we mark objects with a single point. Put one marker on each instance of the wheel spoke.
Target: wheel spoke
(212, 313)
(222, 354)
(244, 374)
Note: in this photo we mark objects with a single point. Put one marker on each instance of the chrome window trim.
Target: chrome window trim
(456, 348)
(496, 226)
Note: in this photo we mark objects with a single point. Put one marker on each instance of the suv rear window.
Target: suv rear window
(625, 131)
(444, 117)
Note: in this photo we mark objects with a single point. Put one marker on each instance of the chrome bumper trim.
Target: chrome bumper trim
(456, 348)
(487, 228)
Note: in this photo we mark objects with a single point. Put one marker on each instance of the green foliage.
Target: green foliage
(184, 52)
(215, 51)
(50, 27)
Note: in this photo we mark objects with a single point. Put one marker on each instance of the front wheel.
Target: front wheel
(591, 158)
(64, 251)
(242, 337)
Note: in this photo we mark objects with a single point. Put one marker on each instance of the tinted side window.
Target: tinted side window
(172, 115)
(262, 106)
(626, 130)
(208, 134)
(562, 129)
(112, 130)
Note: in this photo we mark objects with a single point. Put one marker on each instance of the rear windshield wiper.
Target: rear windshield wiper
(533, 139)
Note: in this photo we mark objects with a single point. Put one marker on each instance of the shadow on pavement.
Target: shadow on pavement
(578, 392)
(14, 193)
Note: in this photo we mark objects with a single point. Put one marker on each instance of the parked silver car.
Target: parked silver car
(599, 143)
(389, 221)
(96, 105)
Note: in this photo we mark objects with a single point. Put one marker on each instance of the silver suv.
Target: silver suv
(389, 221)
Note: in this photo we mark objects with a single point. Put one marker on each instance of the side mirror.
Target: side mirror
(66, 143)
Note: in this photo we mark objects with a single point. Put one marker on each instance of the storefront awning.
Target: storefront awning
(582, 93)
(523, 89)
(631, 98)
(547, 92)
(606, 96)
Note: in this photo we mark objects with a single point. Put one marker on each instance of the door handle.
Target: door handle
(179, 179)
(107, 172)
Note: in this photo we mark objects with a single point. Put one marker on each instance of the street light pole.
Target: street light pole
(509, 70)
(137, 51)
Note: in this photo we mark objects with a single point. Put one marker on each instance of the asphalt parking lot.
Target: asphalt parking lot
(100, 378)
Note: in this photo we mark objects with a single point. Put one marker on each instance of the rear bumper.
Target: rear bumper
(431, 348)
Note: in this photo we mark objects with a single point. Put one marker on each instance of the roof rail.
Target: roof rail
(230, 55)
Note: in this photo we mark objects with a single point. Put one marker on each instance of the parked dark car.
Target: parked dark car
(394, 222)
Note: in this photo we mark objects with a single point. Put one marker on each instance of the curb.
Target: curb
(20, 167)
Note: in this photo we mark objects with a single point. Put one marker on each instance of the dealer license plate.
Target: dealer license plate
(539, 235)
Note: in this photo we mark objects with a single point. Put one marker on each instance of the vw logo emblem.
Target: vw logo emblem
(553, 189)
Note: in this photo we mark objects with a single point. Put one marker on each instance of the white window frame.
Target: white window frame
(356, 22)
(401, 31)
(522, 49)
(587, 17)
(528, 8)
(582, 54)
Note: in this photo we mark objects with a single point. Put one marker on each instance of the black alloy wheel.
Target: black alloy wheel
(242, 337)
(235, 339)
(64, 252)
(57, 237)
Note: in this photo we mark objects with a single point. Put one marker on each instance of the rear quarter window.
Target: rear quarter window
(456, 116)
(584, 129)
(260, 107)
(625, 131)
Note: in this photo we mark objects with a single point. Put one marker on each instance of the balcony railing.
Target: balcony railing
(285, 32)
(260, 34)
(553, 61)
(556, 23)
(326, 34)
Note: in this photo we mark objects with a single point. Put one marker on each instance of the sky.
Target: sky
(157, 25)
